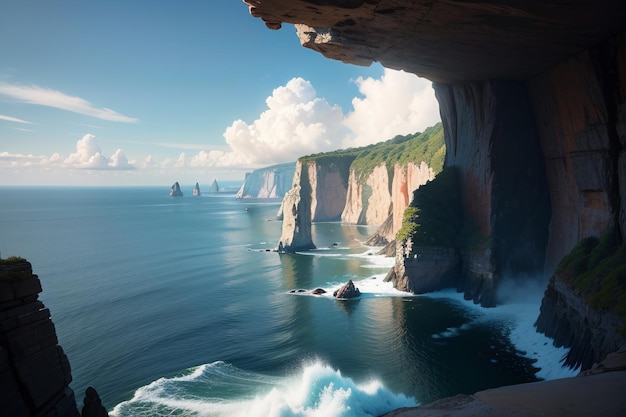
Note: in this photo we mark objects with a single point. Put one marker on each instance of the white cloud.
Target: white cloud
(51, 98)
(297, 122)
(89, 156)
(14, 119)
(398, 103)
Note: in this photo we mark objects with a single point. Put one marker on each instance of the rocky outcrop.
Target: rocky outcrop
(34, 371)
(571, 322)
(175, 190)
(215, 188)
(269, 182)
(296, 211)
(318, 193)
(196, 190)
(348, 290)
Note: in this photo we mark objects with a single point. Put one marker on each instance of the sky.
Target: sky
(149, 92)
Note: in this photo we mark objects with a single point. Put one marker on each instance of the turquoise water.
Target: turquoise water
(175, 306)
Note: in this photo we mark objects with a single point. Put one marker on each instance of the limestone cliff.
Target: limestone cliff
(269, 182)
(369, 186)
(533, 101)
(34, 371)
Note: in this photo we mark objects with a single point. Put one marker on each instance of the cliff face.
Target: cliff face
(379, 197)
(34, 371)
(354, 186)
(533, 101)
(270, 182)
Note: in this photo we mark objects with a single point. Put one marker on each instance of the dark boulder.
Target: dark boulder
(347, 291)
(318, 291)
(92, 405)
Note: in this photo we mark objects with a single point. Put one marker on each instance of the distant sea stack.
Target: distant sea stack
(175, 190)
(196, 190)
(270, 182)
(214, 187)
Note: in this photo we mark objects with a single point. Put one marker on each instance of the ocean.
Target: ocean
(177, 306)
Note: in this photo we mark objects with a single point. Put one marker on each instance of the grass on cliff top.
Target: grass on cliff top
(428, 146)
(12, 260)
(596, 268)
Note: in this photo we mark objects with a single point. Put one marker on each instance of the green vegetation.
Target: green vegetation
(435, 216)
(596, 268)
(428, 147)
(12, 260)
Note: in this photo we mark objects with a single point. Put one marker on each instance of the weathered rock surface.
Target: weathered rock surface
(348, 290)
(448, 41)
(296, 210)
(34, 371)
(566, 317)
(269, 182)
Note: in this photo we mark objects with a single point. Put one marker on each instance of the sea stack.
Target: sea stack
(214, 187)
(196, 190)
(175, 190)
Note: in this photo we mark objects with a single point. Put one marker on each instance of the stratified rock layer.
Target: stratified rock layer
(34, 371)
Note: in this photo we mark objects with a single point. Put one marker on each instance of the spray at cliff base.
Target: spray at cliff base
(219, 389)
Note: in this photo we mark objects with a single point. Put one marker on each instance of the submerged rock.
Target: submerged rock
(347, 291)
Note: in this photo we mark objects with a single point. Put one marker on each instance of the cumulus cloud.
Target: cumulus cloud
(297, 122)
(398, 103)
(88, 155)
(51, 98)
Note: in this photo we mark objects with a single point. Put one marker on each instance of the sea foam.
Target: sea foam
(219, 389)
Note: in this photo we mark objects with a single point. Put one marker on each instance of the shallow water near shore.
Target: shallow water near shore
(178, 306)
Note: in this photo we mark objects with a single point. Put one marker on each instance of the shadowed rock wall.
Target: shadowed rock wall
(34, 371)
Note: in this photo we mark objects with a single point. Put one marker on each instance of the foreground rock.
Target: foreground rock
(597, 393)
(347, 291)
(34, 370)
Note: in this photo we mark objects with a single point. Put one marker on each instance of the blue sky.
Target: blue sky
(146, 92)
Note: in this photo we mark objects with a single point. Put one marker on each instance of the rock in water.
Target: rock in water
(196, 190)
(214, 187)
(347, 291)
(175, 190)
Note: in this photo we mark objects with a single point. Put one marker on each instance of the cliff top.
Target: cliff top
(427, 147)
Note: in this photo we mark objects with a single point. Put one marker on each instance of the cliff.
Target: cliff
(34, 371)
(533, 101)
(370, 186)
(269, 182)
